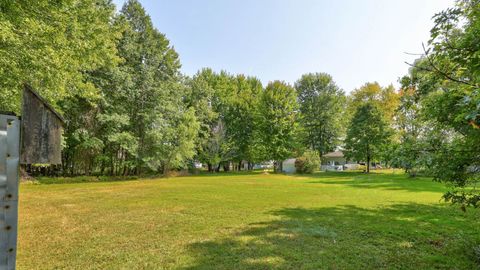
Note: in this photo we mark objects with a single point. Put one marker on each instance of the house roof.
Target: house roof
(336, 154)
(289, 161)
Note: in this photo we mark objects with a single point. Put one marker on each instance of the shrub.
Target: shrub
(308, 162)
(476, 250)
(300, 164)
(362, 168)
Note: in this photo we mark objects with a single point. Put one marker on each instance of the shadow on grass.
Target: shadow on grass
(406, 236)
(231, 173)
(104, 179)
(388, 181)
(84, 179)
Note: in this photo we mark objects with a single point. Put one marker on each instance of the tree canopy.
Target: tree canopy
(278, 110)
(321, 104)
(447, 82)
(54, 45)
(366, 134)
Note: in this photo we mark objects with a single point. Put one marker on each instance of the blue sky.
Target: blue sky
(356, 41)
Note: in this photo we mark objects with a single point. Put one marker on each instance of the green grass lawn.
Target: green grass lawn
(246, 221)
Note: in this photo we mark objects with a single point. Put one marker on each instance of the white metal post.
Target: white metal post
(9, 168)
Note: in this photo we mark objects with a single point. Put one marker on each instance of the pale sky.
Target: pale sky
(356, 41)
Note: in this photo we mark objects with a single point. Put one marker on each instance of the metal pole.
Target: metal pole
(9, 168)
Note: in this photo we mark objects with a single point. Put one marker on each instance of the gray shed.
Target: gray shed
(288, 165)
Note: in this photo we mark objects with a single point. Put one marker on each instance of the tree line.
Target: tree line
(129, 110)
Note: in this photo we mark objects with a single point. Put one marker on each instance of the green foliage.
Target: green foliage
(385, 98)
(321, 105)
(208, 96)
(138, 120)
(53, 45)
(308, 162)
(227, 109)
(277, 121)
(152, 92)
(366, 135)
(241, 117)
(171, 143)
(447, 82)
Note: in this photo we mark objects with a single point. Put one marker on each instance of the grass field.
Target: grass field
(246, 221)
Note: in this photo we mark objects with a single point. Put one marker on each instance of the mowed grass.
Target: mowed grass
(246, 221)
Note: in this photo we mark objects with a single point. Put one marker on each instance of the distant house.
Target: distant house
(336, 161)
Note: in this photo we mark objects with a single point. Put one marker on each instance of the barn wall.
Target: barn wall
(41, 131)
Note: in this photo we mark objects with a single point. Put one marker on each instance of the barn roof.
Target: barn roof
(45, 103)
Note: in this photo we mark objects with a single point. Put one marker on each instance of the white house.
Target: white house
(336, 161)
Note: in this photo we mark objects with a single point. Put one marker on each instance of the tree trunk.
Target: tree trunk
(226, 166)
(278, 166)
(72, 168)
(240, 165)
(112, 165)
(368, 163)
(165, 169)
(210, 168)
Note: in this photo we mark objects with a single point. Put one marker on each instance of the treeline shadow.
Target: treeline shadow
(228, 173)
(107, 179)
(403, 236)
(387, 181)
(83, 179)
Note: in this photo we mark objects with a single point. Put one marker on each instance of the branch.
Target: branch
(414, 54)
(443, 73)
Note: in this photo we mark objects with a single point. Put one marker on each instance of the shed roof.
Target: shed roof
(289, 161)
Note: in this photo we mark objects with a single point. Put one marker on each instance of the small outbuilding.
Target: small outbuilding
(288, 165)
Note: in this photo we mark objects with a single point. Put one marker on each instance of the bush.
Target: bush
(307, 163)
(476, 250)
(362, 168)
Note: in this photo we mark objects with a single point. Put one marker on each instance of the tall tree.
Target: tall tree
(209, 92)
(321, 105)
(172, 141)
(366, 134)
(153, 65)
(412, 126)
(241, 117)
(278, 113)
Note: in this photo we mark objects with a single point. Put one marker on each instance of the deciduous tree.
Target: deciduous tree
(278, 114)
(321, 105)
(53, 45)
(366, 135)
